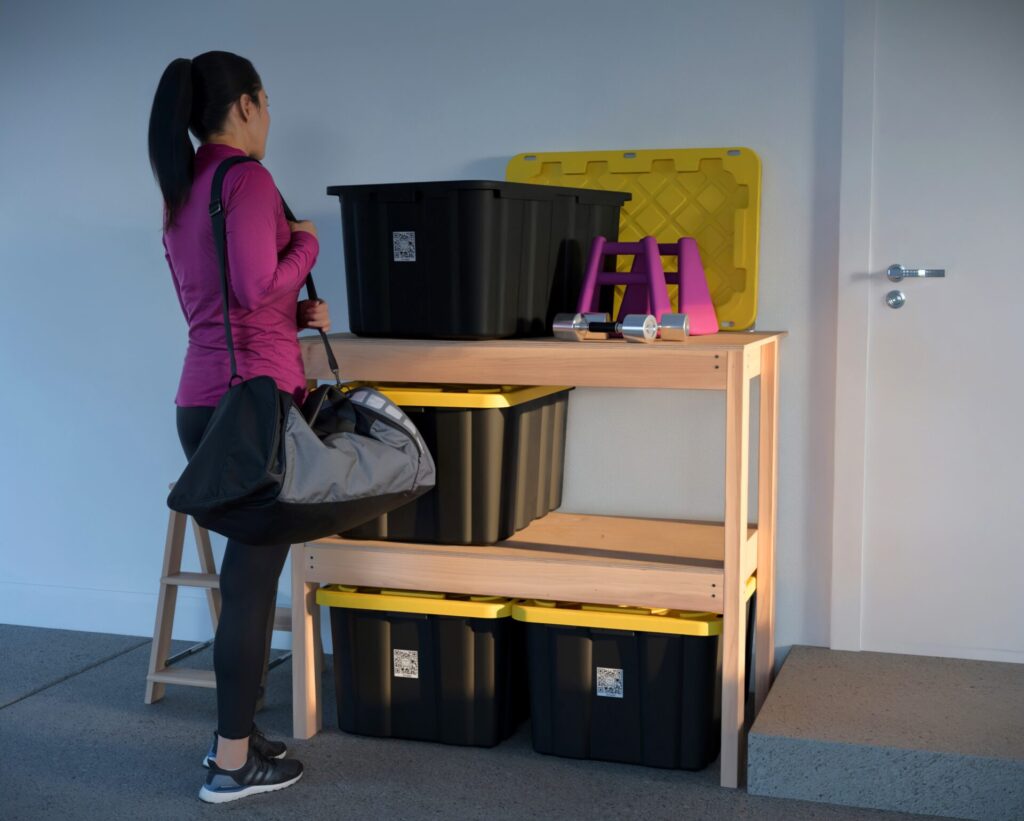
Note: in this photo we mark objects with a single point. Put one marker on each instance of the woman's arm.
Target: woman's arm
(251, 216)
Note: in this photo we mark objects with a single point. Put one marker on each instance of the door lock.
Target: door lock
(895, 299)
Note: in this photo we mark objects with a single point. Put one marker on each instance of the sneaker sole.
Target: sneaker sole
(206, 761)
(213, 797)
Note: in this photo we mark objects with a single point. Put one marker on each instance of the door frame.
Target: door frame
(853, 295)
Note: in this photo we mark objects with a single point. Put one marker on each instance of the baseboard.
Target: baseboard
(946, 651)
(120, 612)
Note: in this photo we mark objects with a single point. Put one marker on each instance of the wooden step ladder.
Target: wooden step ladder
(160, 673)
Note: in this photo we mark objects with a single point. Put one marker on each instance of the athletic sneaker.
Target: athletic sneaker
(258, 775)
(257, 741)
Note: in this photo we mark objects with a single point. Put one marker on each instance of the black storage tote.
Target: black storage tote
(468, 259)
(623, 683)
(500, 459)
(426, 666)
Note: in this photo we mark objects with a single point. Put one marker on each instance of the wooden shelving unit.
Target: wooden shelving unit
(612, 560)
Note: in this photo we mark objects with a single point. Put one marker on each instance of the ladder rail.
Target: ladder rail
(172, 577)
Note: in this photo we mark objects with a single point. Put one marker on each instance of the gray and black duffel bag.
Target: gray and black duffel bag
(267, 472)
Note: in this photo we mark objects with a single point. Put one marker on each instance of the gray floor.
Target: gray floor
(78, 742)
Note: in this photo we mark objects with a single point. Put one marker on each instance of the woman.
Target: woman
(219, 97)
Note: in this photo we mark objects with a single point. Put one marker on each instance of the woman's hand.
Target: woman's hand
(313, 313)
(303, 225)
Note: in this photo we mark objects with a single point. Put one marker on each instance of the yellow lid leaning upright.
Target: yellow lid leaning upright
(710, 194)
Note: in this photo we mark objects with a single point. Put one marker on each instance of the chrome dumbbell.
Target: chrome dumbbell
(580, 327)
(674, 327)
(633, 328)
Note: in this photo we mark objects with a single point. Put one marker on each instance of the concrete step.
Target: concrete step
(893, 732)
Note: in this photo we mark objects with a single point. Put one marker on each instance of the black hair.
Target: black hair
(193, 95)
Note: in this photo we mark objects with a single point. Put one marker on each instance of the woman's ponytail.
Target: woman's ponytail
(193, 95)
(170, 148)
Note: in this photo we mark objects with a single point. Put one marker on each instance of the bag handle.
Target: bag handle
(332, 363)
(220, 240)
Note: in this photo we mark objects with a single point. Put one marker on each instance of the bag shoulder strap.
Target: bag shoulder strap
(220, 240)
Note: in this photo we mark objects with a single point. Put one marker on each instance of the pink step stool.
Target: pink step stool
(646, 282)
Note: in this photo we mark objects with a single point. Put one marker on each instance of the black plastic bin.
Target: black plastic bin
(499, 454)
(624, 684)
(467, 259)
(426, 666)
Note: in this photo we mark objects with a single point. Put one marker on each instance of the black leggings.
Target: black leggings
(248, 595)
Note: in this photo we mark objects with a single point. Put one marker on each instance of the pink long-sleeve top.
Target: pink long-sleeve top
(266, 264)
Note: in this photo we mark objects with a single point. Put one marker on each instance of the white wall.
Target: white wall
(373, 92)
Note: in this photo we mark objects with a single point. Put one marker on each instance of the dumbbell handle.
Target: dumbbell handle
(604, 327)
(641, 325)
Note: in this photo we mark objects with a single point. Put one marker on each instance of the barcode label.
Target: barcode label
(403, 244)
(406, 664)
(609, 682)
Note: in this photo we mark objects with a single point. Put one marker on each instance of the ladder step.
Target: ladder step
(185, 579)
(191, 651)
(193, 678)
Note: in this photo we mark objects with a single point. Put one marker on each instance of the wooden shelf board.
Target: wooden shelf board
(604, 559)
(610, 539)
(698, 364)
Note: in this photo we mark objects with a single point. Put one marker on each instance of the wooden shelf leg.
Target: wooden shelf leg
(764, 652)
(307, 711)
(734, 628)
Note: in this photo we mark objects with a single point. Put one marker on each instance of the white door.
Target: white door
(929, 501)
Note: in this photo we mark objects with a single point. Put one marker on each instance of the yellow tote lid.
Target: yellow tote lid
(462, 396)
(633, 619)
(414, 601)
(672, 622)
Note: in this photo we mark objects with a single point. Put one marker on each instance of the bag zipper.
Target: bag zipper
(387, 420)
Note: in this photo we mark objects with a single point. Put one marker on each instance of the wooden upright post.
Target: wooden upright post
(737, 470)
(767, 468)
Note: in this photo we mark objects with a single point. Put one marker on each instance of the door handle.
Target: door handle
(897, 272)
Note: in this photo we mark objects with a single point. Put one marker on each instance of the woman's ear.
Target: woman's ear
(246, 108)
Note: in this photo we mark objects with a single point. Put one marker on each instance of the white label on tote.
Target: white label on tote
(407, 664)
(609, 682)
(404, 245)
